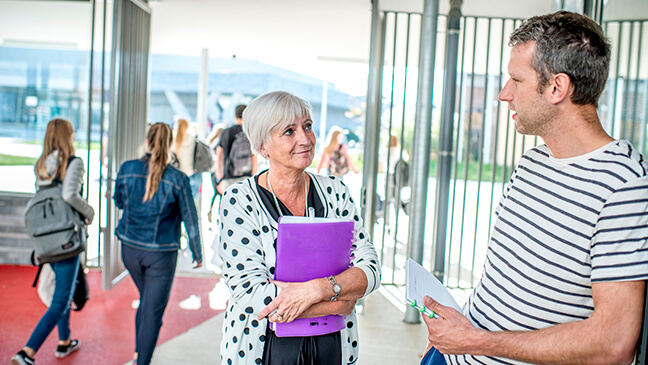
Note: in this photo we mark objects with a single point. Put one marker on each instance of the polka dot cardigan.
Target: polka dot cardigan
(247, 247)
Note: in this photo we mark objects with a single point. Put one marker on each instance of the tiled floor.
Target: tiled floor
(384, 338)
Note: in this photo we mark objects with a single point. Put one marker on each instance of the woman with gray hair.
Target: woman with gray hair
(279, 127)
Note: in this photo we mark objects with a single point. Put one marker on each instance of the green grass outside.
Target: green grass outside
(77, 144)
(9, 160)
(472, 174)
(473, 171)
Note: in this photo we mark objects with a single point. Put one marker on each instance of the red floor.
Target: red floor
(105, 326)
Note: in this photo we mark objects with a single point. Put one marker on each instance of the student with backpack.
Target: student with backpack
(335, 157)
(57, 165)
(213, 139)
(184, 148)
(234, 158)
(155, 197)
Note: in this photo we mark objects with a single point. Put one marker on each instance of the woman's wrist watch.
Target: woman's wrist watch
(336, 288)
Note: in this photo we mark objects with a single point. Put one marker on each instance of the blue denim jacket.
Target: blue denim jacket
(155, 225)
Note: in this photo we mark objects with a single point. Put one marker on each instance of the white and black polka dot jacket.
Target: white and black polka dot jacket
(248, 234)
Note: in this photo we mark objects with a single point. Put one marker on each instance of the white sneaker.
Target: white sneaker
(21, 358)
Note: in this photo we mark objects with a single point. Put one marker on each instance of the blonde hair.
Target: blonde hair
(216, 133)
(182, 125)
(58, 137)
(393, 141)
(159, 141)
(333, 143)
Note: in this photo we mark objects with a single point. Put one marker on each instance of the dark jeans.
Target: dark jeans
(58, 313)
(195, 181)
(152, 272)
(433, 357)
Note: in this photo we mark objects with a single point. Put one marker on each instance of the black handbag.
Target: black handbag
(82, 291)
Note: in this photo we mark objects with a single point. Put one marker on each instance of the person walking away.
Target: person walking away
(335, 157)
(58, 163)
(214, 139)
(155, 198)
(184, 146)
(234, 158)
(394, 160)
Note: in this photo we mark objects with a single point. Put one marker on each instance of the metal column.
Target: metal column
(128, 103)
(422, 137)
(594, 10)
(372, 121)
(444, 166)
(90, 88)
(323, 115)
(203, 91)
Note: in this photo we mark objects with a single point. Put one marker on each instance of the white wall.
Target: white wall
(304, 36)
(45, 24)
(625, 10)
(495, 8)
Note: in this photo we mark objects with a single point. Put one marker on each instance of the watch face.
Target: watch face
(336, 288)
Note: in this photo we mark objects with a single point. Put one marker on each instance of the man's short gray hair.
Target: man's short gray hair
(269, 112)
(572, 44)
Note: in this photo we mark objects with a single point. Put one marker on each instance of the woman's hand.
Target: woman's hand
(293, 300)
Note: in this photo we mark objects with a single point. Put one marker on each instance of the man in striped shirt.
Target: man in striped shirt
(565, 271)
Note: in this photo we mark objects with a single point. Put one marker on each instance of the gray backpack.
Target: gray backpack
(240, 156)
(203, 159)
(56, 229)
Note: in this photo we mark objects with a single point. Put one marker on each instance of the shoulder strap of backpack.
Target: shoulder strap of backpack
(57, 179)
(38, 272)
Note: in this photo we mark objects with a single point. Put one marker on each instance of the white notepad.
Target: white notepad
(420, 283)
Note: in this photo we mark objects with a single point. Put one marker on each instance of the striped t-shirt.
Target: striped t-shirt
(562, 225)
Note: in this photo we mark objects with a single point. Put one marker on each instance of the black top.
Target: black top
(267, 200)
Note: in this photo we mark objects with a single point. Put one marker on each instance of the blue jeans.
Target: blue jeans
(195, 181)
(433, 357)
(58, 313)
(152, 272)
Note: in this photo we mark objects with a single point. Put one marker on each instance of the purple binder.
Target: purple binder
(311, 248)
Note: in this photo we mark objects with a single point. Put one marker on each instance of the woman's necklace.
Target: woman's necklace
(277, 201)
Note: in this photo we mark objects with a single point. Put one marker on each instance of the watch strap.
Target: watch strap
(336, 288)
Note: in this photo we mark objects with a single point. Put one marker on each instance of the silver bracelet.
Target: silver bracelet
(336, 288)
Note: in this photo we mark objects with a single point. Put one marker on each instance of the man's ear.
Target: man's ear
(559, 88)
